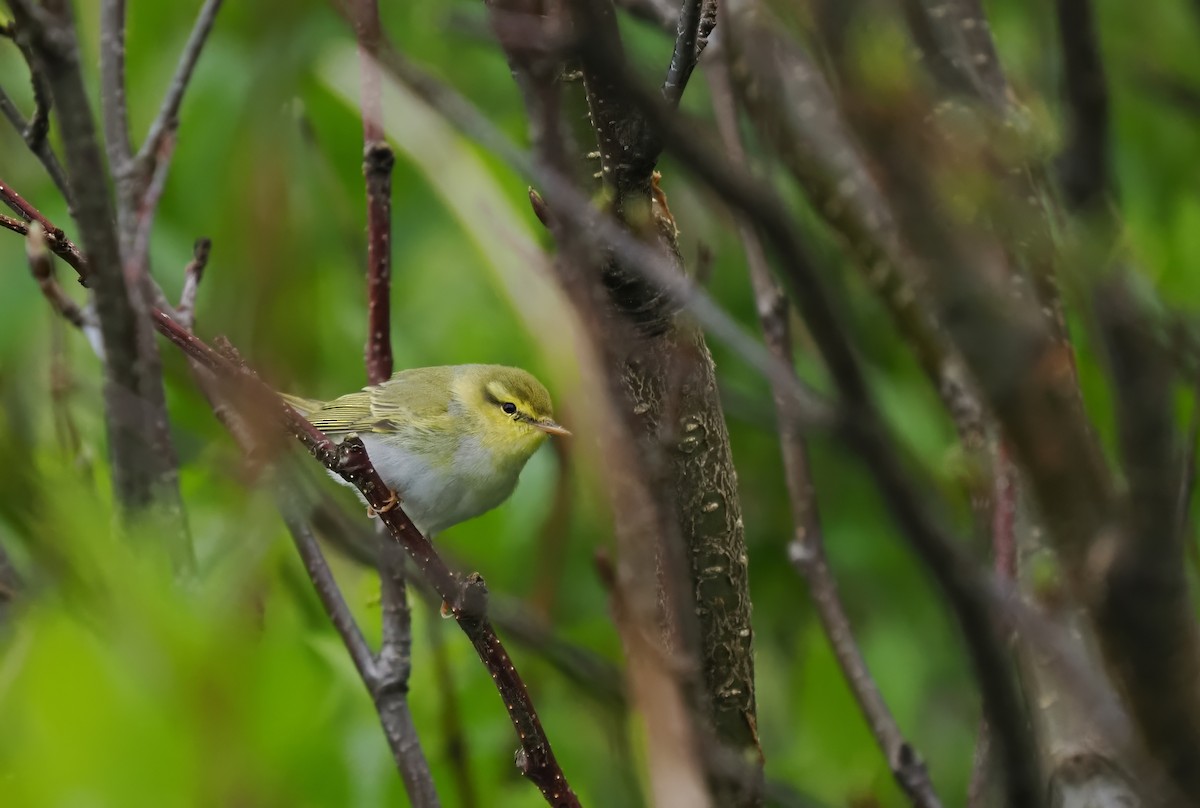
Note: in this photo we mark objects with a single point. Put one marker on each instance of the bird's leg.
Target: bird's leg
(392, 501)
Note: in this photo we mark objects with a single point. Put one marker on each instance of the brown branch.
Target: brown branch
(59, 244)
(394, 660)
(377, 168)
(42, 267)
(807, 549)
(466, 600)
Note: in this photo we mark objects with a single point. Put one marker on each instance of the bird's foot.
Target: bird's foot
(392, 501)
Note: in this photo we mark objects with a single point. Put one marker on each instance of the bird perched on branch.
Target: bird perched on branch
(450, 441)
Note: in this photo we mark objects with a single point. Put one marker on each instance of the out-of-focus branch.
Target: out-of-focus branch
(1142, 607)
(454, 738)
(807, 549)
(791, 103)
(114, 111)
(193, 273)
(956, 42)
(42, 267)
(140, 448)
(466, 600)
(34, 132)
(1083, 168)
(167, 120)
(696, 21)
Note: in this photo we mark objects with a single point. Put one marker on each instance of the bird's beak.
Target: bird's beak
(550, 428)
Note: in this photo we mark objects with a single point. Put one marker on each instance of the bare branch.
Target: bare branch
(168, 113)
(958, 47)
(193, 273)
(325, 586)
(1142, 606)
(60, 245)
(42, 267)
(1083, 168)
(686, 54)
(377, 167)
(34, 132)
(113, 109)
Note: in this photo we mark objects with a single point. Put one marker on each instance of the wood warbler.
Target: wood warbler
(450, 440)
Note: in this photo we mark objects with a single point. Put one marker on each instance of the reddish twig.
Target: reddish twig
(57, 240)
(466, 600)
(377, 168)
(192, 275)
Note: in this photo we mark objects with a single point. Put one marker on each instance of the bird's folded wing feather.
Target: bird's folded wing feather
(406, 402)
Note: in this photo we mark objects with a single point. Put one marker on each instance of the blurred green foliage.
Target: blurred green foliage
(120, 687)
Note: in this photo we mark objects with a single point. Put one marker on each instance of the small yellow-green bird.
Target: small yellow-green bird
(450, 440)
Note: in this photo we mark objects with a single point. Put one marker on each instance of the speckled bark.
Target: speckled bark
(670, 382)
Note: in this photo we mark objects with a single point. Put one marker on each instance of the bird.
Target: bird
(450, 441)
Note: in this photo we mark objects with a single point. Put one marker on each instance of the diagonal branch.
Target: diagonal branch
(60, 245)
(466, 600)
(42, 267)
(167, 119)
(34, 132)
(686, 53)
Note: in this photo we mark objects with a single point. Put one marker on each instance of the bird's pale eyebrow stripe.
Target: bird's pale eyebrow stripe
(496, 392)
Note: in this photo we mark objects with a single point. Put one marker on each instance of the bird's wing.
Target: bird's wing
(407, 401)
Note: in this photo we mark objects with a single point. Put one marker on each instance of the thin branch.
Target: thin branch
(1143, 609)
(325, 586)
(807, 549)
(193, 273)
(60, 245)
(1083, 168)
(466, 600)
(377, 168)
(34, 132)
(686, 53)
(395, 648)
(167, 119)
(114, 111)
(454, 739)
(42, 267)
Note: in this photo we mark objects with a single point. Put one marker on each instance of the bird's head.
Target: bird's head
(512, 408)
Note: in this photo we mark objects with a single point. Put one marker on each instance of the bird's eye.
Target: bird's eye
(509, 407)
